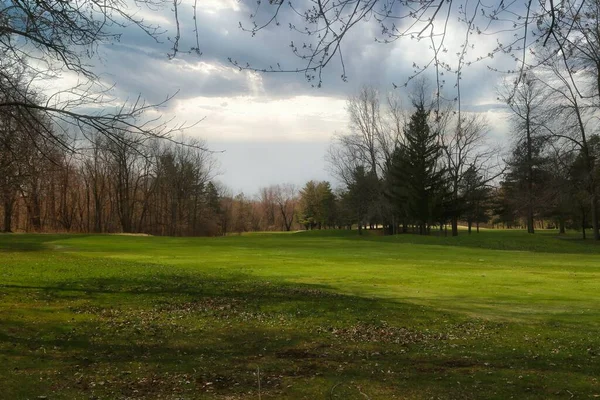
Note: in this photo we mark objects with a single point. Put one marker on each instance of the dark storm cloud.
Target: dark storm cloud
(137, 64)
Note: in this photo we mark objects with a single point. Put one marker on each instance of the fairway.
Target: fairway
(305, 315)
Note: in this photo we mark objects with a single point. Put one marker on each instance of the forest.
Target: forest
(399, 170)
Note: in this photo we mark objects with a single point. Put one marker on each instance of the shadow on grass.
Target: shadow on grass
(513, 240)
(31, 241)
(213, 332)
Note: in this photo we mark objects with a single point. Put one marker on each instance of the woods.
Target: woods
(400, 169)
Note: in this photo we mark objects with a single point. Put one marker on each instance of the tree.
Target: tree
(466, 151)
(503, 209)
(527, 102)
(286, 200)
(362, 193)
(526, 176)
(316, 205)
(326, 205)
(374, 132)
(12, 149)
(475, 193)
(416, 171)
(65, 36)
(268, 206)
(572, 116)
(96, 175)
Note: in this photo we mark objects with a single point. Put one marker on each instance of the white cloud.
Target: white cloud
(260, 118)
(215, 6)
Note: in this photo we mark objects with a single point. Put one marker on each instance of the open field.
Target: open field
(309, 315)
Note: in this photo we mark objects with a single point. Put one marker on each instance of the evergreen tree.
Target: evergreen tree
(363, 191)
(308, 213)
(325, 216)
(417, 177)
(527, 175)
(475, 197)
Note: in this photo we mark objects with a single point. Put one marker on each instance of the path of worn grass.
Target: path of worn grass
(319, 315)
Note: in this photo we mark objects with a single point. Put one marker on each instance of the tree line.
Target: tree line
(436, 166)
(401, 170)
(81, 160)
(432, 167)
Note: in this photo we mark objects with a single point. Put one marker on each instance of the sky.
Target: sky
(268, 128)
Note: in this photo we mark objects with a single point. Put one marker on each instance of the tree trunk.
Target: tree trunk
(454, 225)
(35, 211)
(561, 225)
(8, 209)
(583, 224)
(596, 232)
(469, 224)
(530, 228)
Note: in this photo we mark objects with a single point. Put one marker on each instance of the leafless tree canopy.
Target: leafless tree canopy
(41, 41)
(322, 27)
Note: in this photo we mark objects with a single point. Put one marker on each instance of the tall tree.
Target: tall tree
(417, 168)
(527, 102)
(465, 149)
(286, 199)
(362, 193)
(572, 115)
(476, 194)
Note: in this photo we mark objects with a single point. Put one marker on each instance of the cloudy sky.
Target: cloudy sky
(272, 128)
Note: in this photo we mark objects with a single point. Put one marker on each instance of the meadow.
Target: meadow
(306, 315)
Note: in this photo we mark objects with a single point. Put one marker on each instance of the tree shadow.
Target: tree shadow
(543, 241)
(200, 329)
(31, 242)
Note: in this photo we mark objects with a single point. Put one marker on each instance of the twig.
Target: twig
(332, 389)
(258, 375)
(364, 394)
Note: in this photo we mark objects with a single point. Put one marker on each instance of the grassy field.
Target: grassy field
(308, 315)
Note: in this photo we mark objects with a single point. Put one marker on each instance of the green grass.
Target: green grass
(318, 315)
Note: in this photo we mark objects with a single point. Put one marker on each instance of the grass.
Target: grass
(309, 315)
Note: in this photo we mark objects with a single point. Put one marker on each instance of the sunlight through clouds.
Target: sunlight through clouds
(259, 118)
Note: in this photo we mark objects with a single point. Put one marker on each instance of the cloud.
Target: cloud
(277, 111)
(261, 119)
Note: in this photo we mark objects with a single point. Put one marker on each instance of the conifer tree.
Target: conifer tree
(417, 177)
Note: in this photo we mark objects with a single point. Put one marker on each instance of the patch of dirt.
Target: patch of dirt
(299, 354)
(129, 234)
(309, 292)
(203, 305)
(382, 333)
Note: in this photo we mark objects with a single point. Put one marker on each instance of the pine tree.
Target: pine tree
(417, 178)
(474, 196)
(362, 194)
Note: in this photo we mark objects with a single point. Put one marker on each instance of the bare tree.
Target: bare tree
(573, 114)
(40, 40)
(463, 147)
(528, 104)
(267, 199)
(375, 132)
(286, 197)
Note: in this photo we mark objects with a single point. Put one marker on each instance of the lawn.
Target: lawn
(307, 315)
